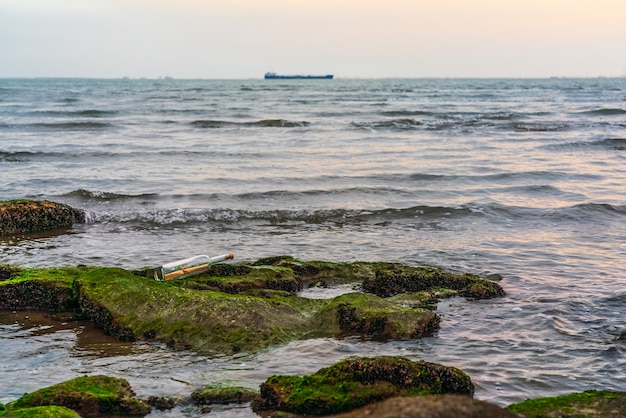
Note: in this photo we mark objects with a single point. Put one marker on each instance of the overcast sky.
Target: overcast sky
(349, 38)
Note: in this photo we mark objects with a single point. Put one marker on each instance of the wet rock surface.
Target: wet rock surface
(223, 395)
(588, 404)
(26, 216)
(356, 382)
(430, 406)
(88, 396)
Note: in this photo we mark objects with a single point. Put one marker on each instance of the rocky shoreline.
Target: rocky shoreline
(250, 306)
(384, 387)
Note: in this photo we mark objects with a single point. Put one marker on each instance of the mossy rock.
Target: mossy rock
(589, 404)
(356, 382)
(380, 318)
(223, 395)
(228, 309)
(40, 412)
(398, 278)
(88, 396)
(26, 216)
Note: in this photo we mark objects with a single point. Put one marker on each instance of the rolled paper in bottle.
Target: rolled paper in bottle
(188, 266)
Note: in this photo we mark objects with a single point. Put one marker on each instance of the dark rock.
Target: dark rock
(25, 216)
(45, 296)
(403, 279)
(430, 406)
(161, 403)
(6, 272)
(211, 395)
(356, 382)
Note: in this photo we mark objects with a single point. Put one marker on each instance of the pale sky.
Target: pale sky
(349, 38)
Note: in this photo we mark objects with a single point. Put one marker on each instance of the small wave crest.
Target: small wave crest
(617, 144)
(394, 124)
(540, 126)
(87, 113)
(170, 217)
(73, 126)
(87, 195)
(22, 156)
(605, 112)
(265, 123)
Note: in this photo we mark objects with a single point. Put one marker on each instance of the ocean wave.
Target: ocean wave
(540, 126)
(106, 196)
(604, 112)
(592, 209)
(430, 214)
(617, 144)
(265, 123)
(78, 126)
(26, 156)
(399, 124)
(178, 216)
(91, 113)
(435, 121)
(406, 113)
(23, 156)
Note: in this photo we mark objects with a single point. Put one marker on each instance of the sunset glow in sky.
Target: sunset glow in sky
(350, 38)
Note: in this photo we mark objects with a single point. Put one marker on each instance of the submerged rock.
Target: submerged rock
(589, 404)
(88, 396)
(25, 216)
(430, 406)
(355, 382)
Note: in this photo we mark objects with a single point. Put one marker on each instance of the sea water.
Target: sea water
(525, 179)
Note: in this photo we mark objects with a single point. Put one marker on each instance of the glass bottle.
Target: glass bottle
(188, 267)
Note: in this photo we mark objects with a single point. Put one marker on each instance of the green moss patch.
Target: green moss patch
(223, 395)
(355, 382)
(589, 404)
(378, 318)
(88, 396)
(397, 278)
(41, 412)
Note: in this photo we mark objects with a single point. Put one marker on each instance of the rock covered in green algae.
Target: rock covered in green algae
(356, 382)
(398, 278)
(381, 318)
(231, 307)
(25, 216)
(88, 396)
(430, 406)
(223, 395)
(41, 412)
(589, 404)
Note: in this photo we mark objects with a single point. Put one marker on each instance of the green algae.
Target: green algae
(223, 395)
(378, 318)
(230, 307)
(398, 278)
(40, 412)
(588, 404)
(355, 382)
(88, 396)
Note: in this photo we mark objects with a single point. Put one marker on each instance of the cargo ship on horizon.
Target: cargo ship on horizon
(273, 76)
